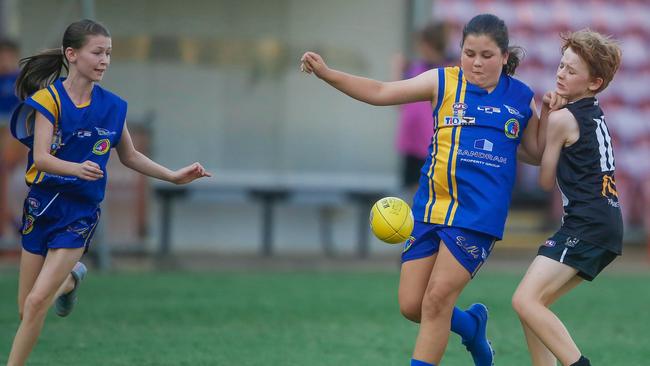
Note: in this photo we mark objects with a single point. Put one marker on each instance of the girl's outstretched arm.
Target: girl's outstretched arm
(137, 161)
(423, 87)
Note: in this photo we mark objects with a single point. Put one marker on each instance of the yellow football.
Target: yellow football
(391, 220)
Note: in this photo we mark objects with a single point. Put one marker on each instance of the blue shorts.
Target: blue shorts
(471, 248)
(54, 221)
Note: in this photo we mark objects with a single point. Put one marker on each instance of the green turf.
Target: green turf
(313, 319)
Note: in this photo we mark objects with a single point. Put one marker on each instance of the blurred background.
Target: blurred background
(297, 166)
(296, 163)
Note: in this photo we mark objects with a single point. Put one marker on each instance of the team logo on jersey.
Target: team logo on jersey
(512, 128)
(488, 109)
(459, 119)
(571, 241)
(408, 244)
(549, 243)
(513, 111)
(459, 109)
(28, 226)
(101, 147)
(33, 204)
(483, 144)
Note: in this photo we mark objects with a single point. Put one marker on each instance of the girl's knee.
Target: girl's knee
(411, 310)
(34, 303)
(437, 301)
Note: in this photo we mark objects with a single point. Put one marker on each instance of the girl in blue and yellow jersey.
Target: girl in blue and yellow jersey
(483, 120)
(70, 125)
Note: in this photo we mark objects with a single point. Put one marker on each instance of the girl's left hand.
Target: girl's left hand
(189, 173)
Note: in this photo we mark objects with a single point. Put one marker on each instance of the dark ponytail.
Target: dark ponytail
(515, 55)
(40, 70)
(495, 28)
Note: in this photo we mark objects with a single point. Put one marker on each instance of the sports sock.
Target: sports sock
(415, 362)
(463, 324)
(583, 361)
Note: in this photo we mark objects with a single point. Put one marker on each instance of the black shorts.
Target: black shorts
(411, 166)
(587, 258)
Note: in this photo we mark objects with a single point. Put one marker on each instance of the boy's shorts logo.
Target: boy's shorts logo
(571, 241)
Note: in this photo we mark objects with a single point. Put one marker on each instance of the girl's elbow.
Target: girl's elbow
(39, 162)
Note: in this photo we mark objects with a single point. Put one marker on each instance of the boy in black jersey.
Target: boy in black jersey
(579, 155)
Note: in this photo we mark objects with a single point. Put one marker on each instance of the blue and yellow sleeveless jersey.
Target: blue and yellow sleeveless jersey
(81, 133)
(468, 177)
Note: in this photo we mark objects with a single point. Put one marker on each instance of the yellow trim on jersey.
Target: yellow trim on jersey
(31, 174)
(438, 179)
(58, 104)
(461, 99)
(44, 98)
(52, 105)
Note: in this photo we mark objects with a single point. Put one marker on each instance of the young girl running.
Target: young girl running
(70, 124)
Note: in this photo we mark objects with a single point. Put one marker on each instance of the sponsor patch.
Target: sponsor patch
(104, 132)
(488, 109)
(513, 111)
(472, 250)
(549, 243)
(459, 121)
(83, 133)
(483, 144)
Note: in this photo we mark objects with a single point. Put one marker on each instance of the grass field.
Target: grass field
(303, 318)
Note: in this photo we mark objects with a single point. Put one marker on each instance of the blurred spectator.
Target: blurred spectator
(415, 127)
(11, 151)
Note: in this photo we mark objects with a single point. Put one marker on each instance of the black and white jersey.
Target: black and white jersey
(585, 175)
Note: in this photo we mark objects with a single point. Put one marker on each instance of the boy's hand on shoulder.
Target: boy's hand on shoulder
(189, 173)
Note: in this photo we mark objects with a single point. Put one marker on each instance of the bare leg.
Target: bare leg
(544, 278)
(539, 354)
(30, 267)
(448, 278)
(413, 281)
(56, 268)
